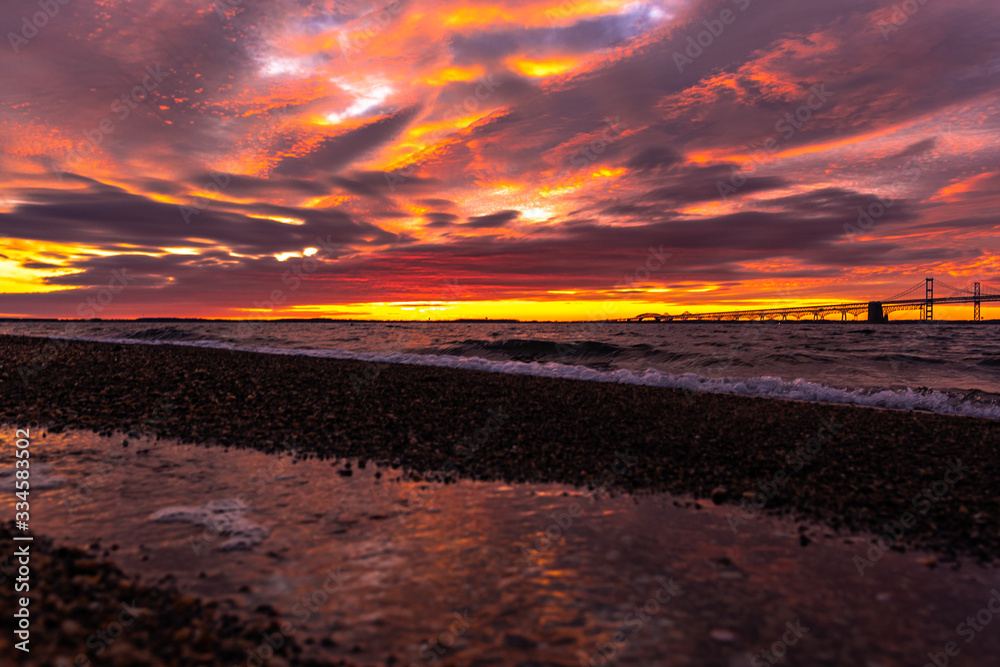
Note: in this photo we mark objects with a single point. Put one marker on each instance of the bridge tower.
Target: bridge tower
(976, 316)
(929, 300)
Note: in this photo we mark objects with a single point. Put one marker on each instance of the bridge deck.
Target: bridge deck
(819, 311)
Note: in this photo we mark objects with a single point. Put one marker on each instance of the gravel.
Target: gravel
(849, 467)
(85, 611)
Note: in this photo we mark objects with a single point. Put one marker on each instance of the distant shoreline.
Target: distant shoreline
(473, 321)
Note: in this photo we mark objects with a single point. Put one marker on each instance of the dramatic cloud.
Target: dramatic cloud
(475, 157)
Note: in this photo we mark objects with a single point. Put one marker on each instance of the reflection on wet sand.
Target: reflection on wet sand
(365, 568)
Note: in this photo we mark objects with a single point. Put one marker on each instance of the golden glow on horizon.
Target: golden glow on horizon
(562, 310)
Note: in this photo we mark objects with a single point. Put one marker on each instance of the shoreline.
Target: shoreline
(541, 571)
(846, 466)
(91, 607)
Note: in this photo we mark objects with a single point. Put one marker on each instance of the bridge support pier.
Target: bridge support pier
(876, 315)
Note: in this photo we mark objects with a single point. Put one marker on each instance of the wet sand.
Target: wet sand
(930, 480)
(372, 569)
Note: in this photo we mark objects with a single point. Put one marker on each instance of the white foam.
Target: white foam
(39, 477)
(766, 386)
(224, 517)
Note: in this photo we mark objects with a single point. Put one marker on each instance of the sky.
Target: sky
(541, 159)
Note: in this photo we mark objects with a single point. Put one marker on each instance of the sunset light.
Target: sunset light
(430, 141)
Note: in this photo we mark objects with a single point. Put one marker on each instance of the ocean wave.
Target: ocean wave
(519, 348)
(164, 334)
(901, 357)
(930, 400)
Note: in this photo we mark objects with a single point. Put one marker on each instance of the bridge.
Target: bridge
(919, 297)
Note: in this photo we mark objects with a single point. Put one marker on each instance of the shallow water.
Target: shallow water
(407, 556)
(949, 367)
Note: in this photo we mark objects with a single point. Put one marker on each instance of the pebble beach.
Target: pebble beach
(857, 467)
(826, 472)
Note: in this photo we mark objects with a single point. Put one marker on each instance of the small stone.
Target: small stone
(721, 635)
(719, 495)
(517, 641)
(71, 628)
